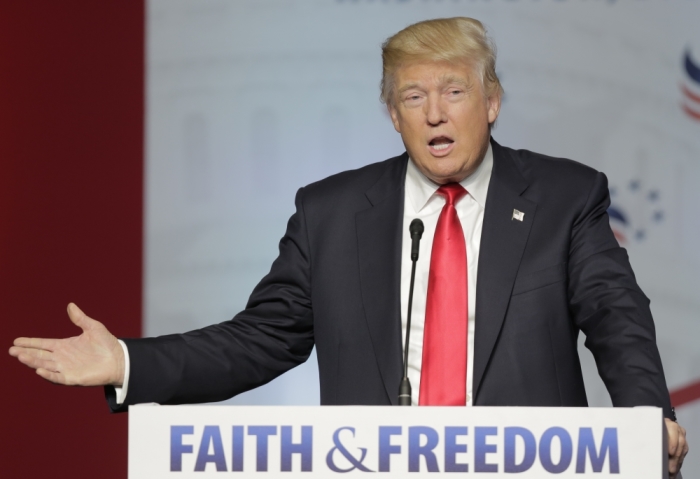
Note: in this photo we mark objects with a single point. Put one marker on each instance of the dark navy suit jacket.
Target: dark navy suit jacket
(336, 285)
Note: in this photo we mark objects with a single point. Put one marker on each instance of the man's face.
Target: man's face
(443, 116)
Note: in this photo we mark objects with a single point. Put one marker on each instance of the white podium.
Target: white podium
(392, 442)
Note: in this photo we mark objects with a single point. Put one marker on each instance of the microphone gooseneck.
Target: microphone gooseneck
(416, 230)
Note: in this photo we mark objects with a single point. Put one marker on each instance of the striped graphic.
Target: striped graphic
(686, 394)
(691, 99)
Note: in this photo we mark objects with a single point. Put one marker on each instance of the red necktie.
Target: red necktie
(443, 379)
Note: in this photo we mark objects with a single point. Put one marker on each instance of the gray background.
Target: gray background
(249, 100)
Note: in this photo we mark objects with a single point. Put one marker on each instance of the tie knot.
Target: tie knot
(452, 192)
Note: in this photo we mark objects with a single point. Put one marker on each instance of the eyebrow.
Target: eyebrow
(444, 80)
(447, 79)
(408, 87)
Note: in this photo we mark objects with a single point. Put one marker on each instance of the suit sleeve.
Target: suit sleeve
(272, 335)
(611, 309)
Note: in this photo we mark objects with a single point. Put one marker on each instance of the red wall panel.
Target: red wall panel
(71, 213)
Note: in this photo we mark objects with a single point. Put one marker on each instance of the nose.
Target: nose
(435, 110)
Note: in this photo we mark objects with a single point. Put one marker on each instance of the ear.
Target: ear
(393, 112)
(493, 104)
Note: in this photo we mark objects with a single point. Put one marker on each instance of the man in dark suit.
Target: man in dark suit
(548, 267)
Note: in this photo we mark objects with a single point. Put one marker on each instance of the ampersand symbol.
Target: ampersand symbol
(356, 463)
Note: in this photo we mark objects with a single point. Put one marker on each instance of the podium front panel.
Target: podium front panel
(480, 442)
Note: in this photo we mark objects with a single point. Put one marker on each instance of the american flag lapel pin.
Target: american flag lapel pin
(518, 215)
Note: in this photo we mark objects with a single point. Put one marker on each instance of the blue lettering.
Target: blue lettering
(305, 448)
(452, 449)
(211, 435)
(340, 447)
(237, 442)
(177, 448)
(510, 434)
(546, 450)
(481, 449)
(415, 450)
(261, 434)
(386, 449)
(608, 444)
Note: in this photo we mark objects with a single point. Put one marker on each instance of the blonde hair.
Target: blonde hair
(458, 39)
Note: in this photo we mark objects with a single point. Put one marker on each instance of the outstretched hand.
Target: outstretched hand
(94, 358)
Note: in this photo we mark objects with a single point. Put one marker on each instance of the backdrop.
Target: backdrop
(247, 101)
(71, 202)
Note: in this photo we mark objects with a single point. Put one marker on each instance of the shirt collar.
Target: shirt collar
(420, 189)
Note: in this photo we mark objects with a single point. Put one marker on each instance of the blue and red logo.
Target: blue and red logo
(690, 87)
(635, 210)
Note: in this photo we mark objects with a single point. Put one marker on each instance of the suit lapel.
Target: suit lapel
(379, 248)
(503, 240)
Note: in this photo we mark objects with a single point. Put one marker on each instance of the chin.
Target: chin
(447, 176)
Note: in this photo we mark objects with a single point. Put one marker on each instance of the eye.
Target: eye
(454, 94)
(412, 99)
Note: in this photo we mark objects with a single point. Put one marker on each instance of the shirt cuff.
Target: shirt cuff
(121, 392)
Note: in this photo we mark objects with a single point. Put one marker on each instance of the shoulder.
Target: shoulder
(355, 183)
(553, 177)
(539, 167)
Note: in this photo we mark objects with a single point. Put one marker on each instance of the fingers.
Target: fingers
(37, 358)
(677, 447)
(34, 343)
(672, 432)
(672, 429)
(42, 361)
(682, 448)
(53, 376)
(686, 447)
(35, 363)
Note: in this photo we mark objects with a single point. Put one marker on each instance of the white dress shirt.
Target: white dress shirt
(420, 201)
(121, 392)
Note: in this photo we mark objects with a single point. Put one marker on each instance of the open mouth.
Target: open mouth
(441, 144)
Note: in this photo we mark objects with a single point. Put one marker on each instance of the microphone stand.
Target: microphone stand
(416, 230)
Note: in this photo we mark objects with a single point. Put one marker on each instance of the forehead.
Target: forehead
(429, 73)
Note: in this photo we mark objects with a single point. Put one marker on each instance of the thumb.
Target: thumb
(77, 316)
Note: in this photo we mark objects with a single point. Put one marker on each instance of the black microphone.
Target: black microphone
(416, 230)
